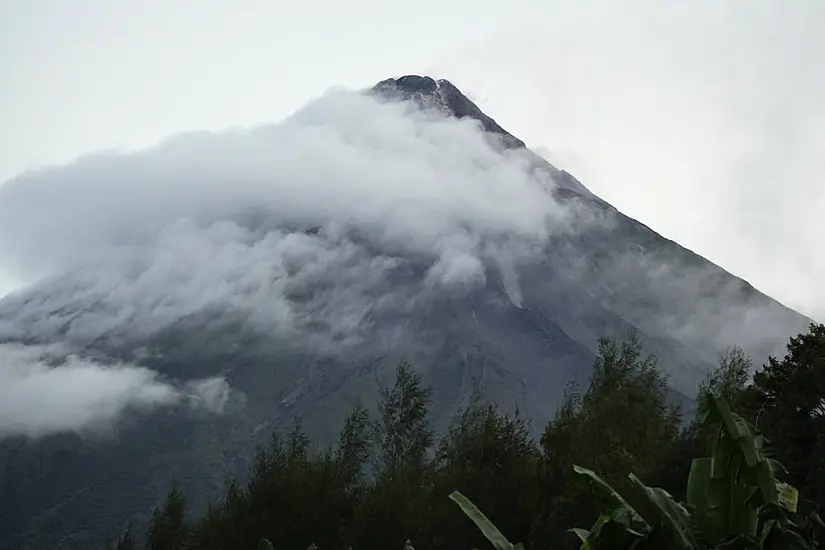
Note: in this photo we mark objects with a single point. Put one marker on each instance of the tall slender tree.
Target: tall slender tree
(392, 507)
(168, 528)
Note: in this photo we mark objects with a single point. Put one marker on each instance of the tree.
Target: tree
(490, 457)
(354, 445)
(391, 509)
(787, 401)
(351, 455)
(402, 430)
(297, 497)
(733, 502)
(168, 528)
(729, 380)
(622, 423)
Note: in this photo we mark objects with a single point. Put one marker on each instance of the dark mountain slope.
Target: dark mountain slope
(520, 338)
(612, 276)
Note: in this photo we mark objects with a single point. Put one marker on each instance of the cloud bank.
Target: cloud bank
(42, 392)
(351, 209)
(336, 194)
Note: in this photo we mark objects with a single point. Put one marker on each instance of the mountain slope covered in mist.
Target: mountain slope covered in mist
(192, 297)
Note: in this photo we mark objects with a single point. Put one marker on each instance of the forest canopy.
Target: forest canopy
(385, 482)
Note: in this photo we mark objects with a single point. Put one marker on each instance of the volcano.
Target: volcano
(298, 263)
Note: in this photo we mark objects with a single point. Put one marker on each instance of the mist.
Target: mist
(43, 393)
(220, 220)
(313, 219)
(418, 178)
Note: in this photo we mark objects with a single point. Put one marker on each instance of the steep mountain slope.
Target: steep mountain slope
(305, 314)
(618, 274)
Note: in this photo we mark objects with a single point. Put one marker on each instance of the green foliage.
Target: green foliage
(354, 446)
(623, 422)
(489, 456)
(386, 482)
(490, 531)
(402, 437)
(733, 502)
(787, 400)
(624, 410)
(168, 529)
(732, 498)
(728, 380)
(402, 431)
(735, 482)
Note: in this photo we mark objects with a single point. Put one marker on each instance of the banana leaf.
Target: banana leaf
(602, 484)
(673, 516)
(487, 528)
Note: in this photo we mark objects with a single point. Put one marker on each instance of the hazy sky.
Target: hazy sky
(702, 119)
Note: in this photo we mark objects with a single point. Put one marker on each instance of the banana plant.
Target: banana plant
(734, 502)
(733, 498)
(728, 489)
(671, 526)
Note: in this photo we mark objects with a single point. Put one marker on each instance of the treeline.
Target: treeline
(385, 483)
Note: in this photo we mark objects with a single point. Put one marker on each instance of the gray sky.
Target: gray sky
(702, 119)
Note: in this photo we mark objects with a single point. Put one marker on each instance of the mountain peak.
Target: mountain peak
(443, 95)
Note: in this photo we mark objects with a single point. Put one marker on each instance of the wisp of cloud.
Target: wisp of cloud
(39, 398)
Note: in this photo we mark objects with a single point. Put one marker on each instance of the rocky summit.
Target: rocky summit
(443, 95)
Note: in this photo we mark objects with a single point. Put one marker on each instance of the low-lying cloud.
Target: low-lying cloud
(42, 393)
(254, 218)
(350, 209)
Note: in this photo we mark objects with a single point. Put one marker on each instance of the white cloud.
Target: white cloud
(311, 225)
(41, 394)
(154, 236)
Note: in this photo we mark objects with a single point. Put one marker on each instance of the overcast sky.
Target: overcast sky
(702, 119)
